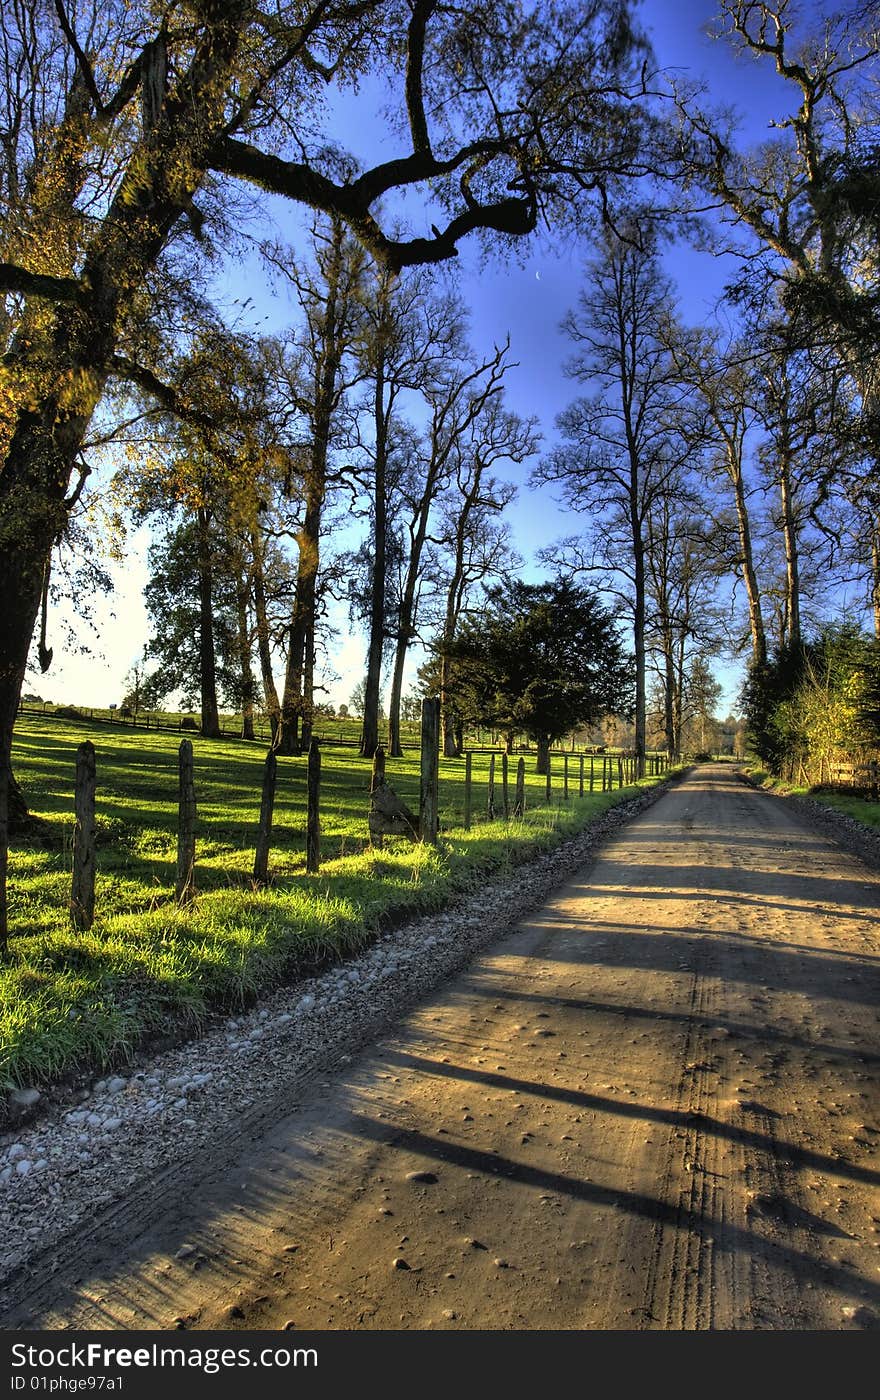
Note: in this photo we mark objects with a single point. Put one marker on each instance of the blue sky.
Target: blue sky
(526, 300)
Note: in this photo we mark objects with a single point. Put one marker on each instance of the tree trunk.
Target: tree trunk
(669, 693)
(308, 695)
(875, 577)
(639, 647)
(244, 659)
(33, 482)
(790, 540)
(297, 700)
(543, 761)
(4, 856)
(18, 816)
(451, 730)
(289, 739)
(747, 564)
(264, 641)
(207, 658)
(395, 748)
(376, 642)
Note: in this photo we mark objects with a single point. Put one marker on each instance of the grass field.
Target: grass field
(74, 1001)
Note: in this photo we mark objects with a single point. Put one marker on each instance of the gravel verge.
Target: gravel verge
(88, 1148)
(859, 840)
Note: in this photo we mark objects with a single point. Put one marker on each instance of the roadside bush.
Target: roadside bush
(816, 706)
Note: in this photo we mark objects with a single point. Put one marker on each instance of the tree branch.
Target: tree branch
(83, 64)
(512, 215)
(39, 284)
(121, 367)
(415, 106)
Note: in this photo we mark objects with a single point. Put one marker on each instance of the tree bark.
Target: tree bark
(669, 689)
(376, 642)
(245, 661)
(207, 657)
(451, 729)
(308, 688)
(639, 647)
(289, 739)
(875, 576)
(747, 563)
(543, 761)
(406, 631)
(264, 641)
(327, 350)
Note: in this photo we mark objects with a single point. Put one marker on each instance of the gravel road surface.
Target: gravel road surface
(651, 1103)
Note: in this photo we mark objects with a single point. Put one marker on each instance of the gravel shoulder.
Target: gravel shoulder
(632, 1086)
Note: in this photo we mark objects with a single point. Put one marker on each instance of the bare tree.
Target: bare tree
(455, 401)
(623, 447)
(315, 372)
(807, 197)
(723, 376)
(472, 537)
(410, 333)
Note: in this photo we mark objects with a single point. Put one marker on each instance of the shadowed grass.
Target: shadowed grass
(75, 1002)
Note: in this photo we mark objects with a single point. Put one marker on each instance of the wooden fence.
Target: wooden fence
(388, 815)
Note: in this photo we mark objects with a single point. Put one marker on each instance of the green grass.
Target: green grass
(868, 813)
(859, 808)
(81, 1001)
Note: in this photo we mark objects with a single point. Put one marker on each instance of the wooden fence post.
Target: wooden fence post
(313, 818)
(82, 890)
(186, 825)
(565, 777)
(619, 771)
(592, 772)
(490, 795)
(519, 801)
(505, 799)
(430, 768)
(267, 805)
(468, 764)
(581, 778)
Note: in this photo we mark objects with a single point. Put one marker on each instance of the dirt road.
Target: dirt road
(654, 1105)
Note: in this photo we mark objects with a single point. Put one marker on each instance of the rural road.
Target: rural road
(652, 1105)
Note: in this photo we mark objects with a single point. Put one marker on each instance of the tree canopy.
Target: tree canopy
(541, 658)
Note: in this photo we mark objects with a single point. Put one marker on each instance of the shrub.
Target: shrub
(816, 705)
(68, 712)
